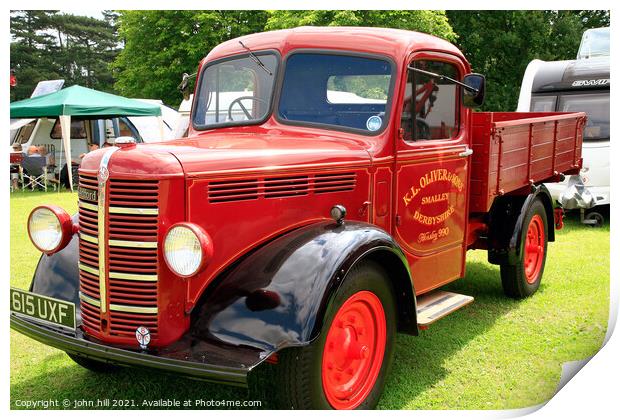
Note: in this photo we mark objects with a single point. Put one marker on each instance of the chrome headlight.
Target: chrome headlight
(187, 249)
(50, 228)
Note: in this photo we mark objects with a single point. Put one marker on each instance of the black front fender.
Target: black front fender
(57, 275)
(277, 296)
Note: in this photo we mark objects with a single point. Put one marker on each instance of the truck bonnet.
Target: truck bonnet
(228, 153)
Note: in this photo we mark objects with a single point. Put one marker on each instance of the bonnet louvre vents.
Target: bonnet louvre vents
(279, 187)
(285, 186)
(225, 191)
(325, 183)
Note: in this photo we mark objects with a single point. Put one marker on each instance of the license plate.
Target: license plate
(44, 309)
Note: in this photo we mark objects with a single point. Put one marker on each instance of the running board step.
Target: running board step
(436, 305)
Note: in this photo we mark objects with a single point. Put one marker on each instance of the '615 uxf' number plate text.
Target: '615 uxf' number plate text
(56, 312)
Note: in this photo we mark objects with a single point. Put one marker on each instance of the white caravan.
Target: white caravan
(571, 86)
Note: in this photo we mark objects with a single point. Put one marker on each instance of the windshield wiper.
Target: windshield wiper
(256, 59)
(442, 77)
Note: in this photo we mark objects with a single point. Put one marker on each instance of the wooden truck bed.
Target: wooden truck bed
(515, 149)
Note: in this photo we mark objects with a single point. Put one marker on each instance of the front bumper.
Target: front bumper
(179, 359)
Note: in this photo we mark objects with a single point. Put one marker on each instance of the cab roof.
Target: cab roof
(396, 43)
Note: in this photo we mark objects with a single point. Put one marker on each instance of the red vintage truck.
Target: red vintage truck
(313, 212)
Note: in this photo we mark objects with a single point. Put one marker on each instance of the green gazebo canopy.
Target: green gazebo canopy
(84, 102)
(78, 101)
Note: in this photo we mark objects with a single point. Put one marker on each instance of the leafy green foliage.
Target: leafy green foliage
(432, 22)
(50, 45)
(500, 44)
(161, 45)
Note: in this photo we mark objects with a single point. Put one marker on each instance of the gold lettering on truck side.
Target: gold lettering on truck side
(429, 178)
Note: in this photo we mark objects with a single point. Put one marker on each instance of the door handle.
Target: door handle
(466, 152)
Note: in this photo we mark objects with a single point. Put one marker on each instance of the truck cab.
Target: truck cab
(331, 181)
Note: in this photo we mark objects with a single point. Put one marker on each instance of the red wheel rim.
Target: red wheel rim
(354, 350)
(534, 250)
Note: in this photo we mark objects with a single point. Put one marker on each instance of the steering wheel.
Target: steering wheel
(243, 108)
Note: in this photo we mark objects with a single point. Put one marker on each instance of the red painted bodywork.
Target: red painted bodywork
(515, 149)
(278, 177)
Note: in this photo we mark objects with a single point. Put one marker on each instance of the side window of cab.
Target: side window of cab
(430, 109)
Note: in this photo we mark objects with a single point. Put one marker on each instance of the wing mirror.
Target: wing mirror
(473, 94)
(184, 86)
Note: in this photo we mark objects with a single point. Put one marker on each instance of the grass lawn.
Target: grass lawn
(496, 353)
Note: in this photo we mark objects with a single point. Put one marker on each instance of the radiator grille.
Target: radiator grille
(89, 251)
(280, 187)
(132, 261)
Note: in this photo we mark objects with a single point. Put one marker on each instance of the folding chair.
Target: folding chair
(33, 172)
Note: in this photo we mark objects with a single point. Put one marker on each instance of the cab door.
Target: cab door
(432, 171)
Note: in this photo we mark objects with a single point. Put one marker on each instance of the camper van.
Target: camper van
(148, 126)
(572, 86)
(46, 132)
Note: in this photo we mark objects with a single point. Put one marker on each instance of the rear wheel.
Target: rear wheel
(522, 279)
(346, 366)
(93, 365)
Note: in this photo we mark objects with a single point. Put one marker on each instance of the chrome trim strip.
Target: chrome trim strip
(88, 206)
(134, 309)
(89, 269)
(102, 178)
(132, 244)
(132, 210)
(88, 238)
(132, 276)
(88, 299)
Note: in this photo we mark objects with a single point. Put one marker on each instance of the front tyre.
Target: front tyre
(346, 366)
(522, 279)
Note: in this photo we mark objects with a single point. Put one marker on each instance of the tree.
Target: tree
(29, 59)
(50, 45)
(500, 44)
(161, 45)
(85, 49)
(433, 22)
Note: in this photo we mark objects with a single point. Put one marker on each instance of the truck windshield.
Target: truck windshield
(596, 106)
(235, 91)
(342, 91)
